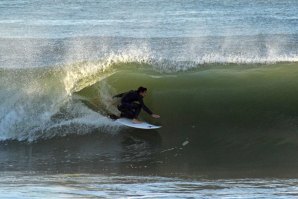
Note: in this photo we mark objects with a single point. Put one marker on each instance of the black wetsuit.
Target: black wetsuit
(131, 104)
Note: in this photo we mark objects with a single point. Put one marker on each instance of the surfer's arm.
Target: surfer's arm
(123, 94)
(145, 107)
(119, 95)
(149, 111)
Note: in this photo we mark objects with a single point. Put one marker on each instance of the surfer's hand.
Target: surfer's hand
(155, 116)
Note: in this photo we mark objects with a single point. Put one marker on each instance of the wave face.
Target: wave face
(229, 114)
(248, 97)
(42, 80)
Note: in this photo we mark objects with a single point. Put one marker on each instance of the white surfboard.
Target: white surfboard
(143, 125)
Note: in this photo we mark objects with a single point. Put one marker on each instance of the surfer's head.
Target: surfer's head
(142, 91)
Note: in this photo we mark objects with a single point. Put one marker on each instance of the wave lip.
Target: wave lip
(20, 53)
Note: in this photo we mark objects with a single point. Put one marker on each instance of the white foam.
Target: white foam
(84, 74)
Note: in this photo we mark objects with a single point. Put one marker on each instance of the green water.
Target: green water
(233, 96)
(236, 114)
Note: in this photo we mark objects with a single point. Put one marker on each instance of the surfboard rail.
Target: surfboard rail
(130, 123)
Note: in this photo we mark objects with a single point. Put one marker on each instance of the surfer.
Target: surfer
(132, 103)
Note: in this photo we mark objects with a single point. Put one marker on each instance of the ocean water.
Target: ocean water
(222, 75)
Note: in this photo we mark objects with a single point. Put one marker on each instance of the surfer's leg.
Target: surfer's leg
(130, 111)
(127, 114)
(136, 121)
(135, 113)
(137, 109)
(126, 110)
